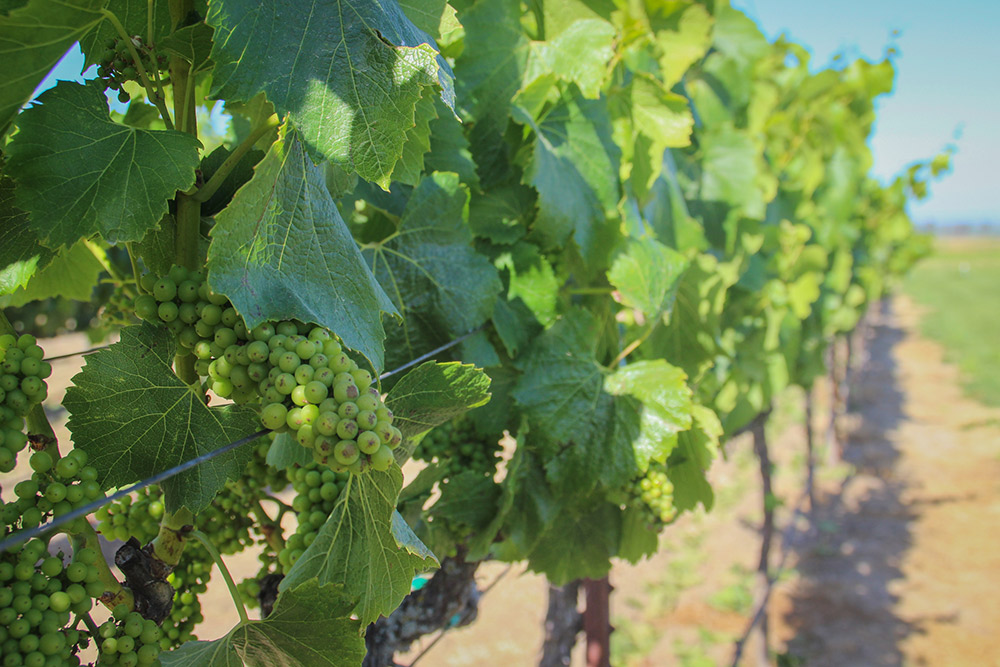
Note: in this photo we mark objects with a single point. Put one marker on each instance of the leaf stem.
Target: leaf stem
(206, 191)
(143, 76)
(233, 591)
(631, 347)
(135, 267)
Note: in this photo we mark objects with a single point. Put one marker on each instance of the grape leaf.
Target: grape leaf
(433, 393)
(686, 467)
(434, 17)
(347, 73)
(418, 142)
(690, 338)
(683, 34)
(562, 386)
(646, 276)
(440, 284)
(450, 149)
(501, 214)
(193, 43)
(21, 255)
(281, 250)
(133, 14)
(135, 418)
(79, 173)
(72, 274)
(579, 54)
(285, 452)
(531, 278)
(574, 167)
(489, 75)
(578, 542)
(364, 548)
(33, 38)
(663, 402)
(310, 625)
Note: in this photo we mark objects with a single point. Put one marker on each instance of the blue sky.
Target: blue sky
(947, 85)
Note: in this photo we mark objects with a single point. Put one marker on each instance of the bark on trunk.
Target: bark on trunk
(597, 622)
(563, 623)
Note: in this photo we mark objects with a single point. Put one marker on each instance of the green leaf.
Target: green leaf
(695, 451)
(579, 54)
(21, 255)
(730, 171)
(574, 167)
(646, 276)
(579, 542)
(489, 75)
(286, 452)
(435, 17)
(33, 38)
(562, 386)
(450, 149)
(133, 14)
(683, 34)
(532, 280)
(135, 418)
(434, 393)
(663, 402)
(281, 250)
(639, 539)
(349, 74)
(502, 214)
(363, 547)
(468, 499)
(193, 43)
(310, 625)
(690, 338)
(78, 173)
(440, 284)
(418, 142)
(72, 274)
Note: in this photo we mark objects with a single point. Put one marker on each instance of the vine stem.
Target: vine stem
(89, 622)
(143, 76)
(206, 191)
(233, 592)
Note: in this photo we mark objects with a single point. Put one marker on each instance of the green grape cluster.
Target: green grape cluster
(136, 515)
(190, 579)
(118, 310)
(22, 386)
(299, 374)
(38, 594)
(116, 65)
(55, 488)
(458, 447)
(127, 639)
(316, 494)
(654, 492)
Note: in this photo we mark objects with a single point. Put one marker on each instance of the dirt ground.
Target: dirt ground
(900, 565)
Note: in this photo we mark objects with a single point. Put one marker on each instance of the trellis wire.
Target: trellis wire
(24, 535)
